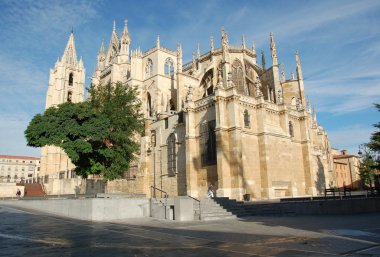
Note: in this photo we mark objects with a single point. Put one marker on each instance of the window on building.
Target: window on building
(149, 105)
(9, 168)
(291, 129)
(172, 158)
(166, 123)
(69, 98)
(149, 68)
(71, 79)
(208, 143)
(247, 119)
(153, 138)
(238, 76)
(169, 67)
(23, 168)
(206, 83)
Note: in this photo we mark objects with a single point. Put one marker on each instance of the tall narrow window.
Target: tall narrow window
(169, 67)
(69, 96)
(208, 143)
(149, 68)
(149, 105)
(247, 121)
(291, 129)
(238, 76)
(172, 155)
(71, 79)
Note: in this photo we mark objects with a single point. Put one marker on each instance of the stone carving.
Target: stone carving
(279, 97)
(258, 87)
(189, 95)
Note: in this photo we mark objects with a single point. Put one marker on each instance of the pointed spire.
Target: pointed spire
(273, 50)
(179, 57)
(314, 113)
(308, 108)
(101, 50)
(193, 60)
(212, 44)
(114, 25)
(243, 41)
(283, 76)
(224, 39)
(198, 51)
(70, 55)
(158, 41)
(262, 59)
(125, 34)
(293, 78)
(253, 46)
(298, 67)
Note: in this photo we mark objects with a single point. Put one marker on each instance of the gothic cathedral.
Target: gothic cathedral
(221, 119)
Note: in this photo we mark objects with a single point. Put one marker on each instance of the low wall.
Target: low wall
(10, 189)
(93, 209)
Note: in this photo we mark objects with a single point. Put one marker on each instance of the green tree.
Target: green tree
(374, 143)
(367, 168)
(100, 136)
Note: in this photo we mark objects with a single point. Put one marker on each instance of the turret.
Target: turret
(113, 46)
(263, 59)
(101, 58)
(125, 41)
(300, 78)
(226, 58)
(273, 50)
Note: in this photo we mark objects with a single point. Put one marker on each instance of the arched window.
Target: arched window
(71, 79)
(206, 83)
(247, 119)
(208, 143)
(149, 105)
(291, 129)
(149, 68)
(69, 96)
(172, 158)
(171, 104)
(169, 67)
(238, 76)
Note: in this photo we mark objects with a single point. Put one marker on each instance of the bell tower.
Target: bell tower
(66, 84)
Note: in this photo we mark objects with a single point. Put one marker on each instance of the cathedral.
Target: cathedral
(221, 119)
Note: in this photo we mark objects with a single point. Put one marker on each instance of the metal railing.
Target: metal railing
(153, 192)
(199, 202)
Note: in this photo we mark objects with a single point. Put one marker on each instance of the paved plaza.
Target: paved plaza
(25, 233)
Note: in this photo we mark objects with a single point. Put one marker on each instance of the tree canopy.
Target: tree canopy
(100, 136)
(374, 143)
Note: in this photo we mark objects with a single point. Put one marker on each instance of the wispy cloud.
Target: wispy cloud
(350, 137)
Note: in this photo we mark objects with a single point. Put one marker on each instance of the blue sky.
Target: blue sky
(338, 41)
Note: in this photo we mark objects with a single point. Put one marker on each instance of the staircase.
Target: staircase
(34, 189)
(241, 209)
(208, 209)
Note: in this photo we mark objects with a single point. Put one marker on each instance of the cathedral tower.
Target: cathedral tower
(66, 84)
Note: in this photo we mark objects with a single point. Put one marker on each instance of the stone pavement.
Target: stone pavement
(24, 233)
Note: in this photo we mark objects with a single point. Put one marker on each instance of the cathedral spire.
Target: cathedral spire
(298, 67)
(70, 55)
(179, 57)
(212, 44)
(125, 40)
(273, 50)
(263, 59)
(158, 41)
(198, 51)
(114, 25)
(253, 46)
(243, 41)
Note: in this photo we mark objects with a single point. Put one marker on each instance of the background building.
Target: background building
(17, 168)
(346, 169)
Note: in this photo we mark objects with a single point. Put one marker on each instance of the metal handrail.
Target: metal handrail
(162, 191)
(199, 202)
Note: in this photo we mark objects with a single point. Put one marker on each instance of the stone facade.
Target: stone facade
(221, 119)
(66, 84)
